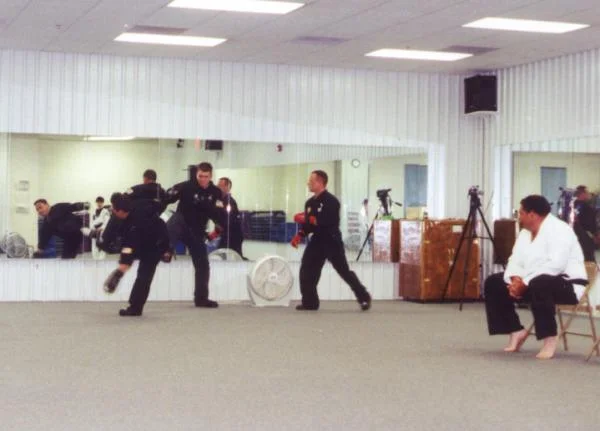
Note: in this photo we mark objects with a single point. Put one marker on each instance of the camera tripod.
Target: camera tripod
(470, 226)
(385, 204)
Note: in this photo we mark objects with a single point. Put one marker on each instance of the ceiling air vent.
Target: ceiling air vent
(319, 40)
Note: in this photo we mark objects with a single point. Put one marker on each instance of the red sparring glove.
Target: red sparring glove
(212, 235)
(297, 239)
(299, 218)
(312, 220)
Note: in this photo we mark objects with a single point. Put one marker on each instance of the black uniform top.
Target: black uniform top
(325, 208)
(151, 193)
(232, 227)
(60, 221)
(144, 233)
(585, 228)
(197, 205)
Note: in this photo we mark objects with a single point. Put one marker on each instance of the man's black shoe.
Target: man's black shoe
(129, 312)
(206, 303)
(365, 304)
(301, 307)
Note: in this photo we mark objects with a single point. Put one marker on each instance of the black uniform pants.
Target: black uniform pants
(71, 244)
(543, 292)
(194, 241)
(141, 286)
(316, 253)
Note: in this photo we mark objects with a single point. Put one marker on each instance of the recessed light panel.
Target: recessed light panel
(525, 25)
(410, 54)
(165, 39)
(255, 6)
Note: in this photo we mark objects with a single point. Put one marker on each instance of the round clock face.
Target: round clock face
(355, 163)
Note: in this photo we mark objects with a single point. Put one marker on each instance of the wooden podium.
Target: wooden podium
(386, 241)
(427, 250)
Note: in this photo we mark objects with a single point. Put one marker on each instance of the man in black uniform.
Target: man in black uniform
(199, 200)
(584, 223)
(149, 191)
(145, 238)
(149, 194)
(59, 220)
(231, 232)
(322, 220)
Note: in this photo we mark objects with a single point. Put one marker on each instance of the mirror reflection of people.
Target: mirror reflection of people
(231, 235)
(584, 223)
(199, 200)
(545, 268)
(59, 220)
(145, 238)
(321, 222)
(100, 219)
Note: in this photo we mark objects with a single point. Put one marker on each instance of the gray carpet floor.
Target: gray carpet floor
(400, 366)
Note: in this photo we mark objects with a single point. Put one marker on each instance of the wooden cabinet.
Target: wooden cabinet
(505, 235)
(386, 241)
(427, 250)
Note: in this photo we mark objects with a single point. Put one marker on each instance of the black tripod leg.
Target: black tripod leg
(490, 236)
(366, 239)
(460, 243)
(472, 236)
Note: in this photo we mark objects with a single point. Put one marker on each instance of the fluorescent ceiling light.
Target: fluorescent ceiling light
(166, 39)
(525, 25)
(256, 6)
(418, 55)
(110, 138)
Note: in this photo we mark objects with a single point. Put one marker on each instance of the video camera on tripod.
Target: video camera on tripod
(386, 201)
(474, 194)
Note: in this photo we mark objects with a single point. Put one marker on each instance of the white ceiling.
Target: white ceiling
(89, 26)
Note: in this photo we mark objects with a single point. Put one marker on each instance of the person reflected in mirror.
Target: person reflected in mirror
(545, 268)
(59, 220)
(230, 234)
(321, 226)
(145, 238)
(199, 200)
(584, 223)
(100, 218)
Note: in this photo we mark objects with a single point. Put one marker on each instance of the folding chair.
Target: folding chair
(584, 306)
(596, 345)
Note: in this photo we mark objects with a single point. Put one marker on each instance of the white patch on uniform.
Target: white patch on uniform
(320, 207)
(127, 250)
(219, 204)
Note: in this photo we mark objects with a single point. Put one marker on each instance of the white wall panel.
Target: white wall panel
(172, 98)
(4, 183)
(81, 280)
(551, 100)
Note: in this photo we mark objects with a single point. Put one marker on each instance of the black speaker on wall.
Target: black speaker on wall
(213, 145)
(481, 94)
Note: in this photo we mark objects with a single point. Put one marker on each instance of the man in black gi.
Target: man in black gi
(584, 223)
(322, 220)
(59, 220)
(199, 200)
(149, 194)
(149, 191)
(145, 238)
(231, 232)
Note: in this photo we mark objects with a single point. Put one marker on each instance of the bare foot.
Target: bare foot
(516, 340)
(548, 348)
